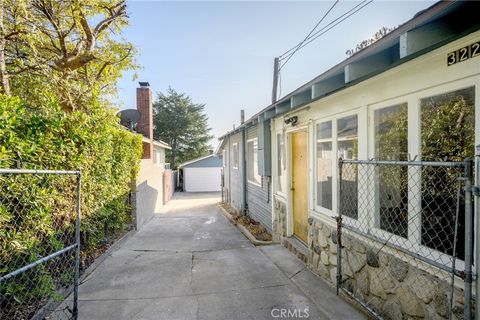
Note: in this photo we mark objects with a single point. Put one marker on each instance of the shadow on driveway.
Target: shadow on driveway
(189, 262)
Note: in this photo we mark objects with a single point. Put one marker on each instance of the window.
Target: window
(447, 134)
(337, 139)
(448, 126)
(281, 163)
(324, 165)
(391, 143)
(157, 157)
(224, 158)
(347, 148)
(252, 161)
(235, 155)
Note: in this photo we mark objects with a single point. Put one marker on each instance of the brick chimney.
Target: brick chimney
(145, 124)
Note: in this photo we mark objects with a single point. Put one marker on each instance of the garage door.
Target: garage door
(202, 179)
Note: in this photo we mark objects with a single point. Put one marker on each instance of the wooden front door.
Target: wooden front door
(299, 184)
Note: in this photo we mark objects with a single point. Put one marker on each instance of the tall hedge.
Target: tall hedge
(37, 213)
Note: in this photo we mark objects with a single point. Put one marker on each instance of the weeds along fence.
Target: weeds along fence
(412, 222)
(39, 243)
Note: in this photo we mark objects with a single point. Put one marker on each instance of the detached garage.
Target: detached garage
(203, 174)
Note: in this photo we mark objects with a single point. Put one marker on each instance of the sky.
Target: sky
(221, 53)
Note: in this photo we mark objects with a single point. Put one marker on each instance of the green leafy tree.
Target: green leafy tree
(182, 124)
(59, 63)
(72, 49)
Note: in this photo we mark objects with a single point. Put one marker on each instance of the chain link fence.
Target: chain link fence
(39, 244)
(412, 223)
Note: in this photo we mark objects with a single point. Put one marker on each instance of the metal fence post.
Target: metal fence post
(468, 239)
(477, 232)
(339, 228)
(77, 252)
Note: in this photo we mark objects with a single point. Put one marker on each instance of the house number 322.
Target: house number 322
(464, 53)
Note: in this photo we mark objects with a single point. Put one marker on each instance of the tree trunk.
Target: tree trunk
(3, 66)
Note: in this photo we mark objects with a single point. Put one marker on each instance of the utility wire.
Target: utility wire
(323, 28)
(312, 39)
(310, 33)
(326, 29)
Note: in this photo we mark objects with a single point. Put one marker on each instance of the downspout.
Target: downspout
(244, 161)
(244, 171)
(229, 170)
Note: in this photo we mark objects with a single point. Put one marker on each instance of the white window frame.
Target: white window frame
(235, 155)
(321, 211)
(158, 157)
(438, 90)
(254, 165)
(352, 221)
(318, 208)
(413, 100)
(372, 211)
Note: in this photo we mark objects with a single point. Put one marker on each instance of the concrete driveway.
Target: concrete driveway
(189, 262)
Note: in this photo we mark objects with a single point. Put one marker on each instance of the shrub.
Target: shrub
(37, 212)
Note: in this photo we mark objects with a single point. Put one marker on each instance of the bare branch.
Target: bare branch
(48, 12)
(117, 11)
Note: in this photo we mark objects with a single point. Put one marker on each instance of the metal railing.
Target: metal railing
(40, 243)
(412, 221)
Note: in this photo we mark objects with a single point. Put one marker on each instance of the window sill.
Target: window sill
(323, 218)
(324, 212)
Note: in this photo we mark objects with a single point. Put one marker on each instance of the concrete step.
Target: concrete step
(297, 247)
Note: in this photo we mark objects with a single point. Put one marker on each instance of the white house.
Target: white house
(365, 161)
(202, 174)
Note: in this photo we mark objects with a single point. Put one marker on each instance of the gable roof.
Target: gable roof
(158, 143)
(212, 160)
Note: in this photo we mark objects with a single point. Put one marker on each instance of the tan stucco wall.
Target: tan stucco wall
(149, 191)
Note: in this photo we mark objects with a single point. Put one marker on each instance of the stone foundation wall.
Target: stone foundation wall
(279, 223)
(390, 284)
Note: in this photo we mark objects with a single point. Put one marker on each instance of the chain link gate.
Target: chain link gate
(39, 243)
(413, 223)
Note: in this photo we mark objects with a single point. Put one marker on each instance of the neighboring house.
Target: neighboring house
(158, 151)
(152, 187)
(395, 271)
(202, 174)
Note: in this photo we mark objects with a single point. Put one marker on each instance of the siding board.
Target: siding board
(236, 174)
(258, 197)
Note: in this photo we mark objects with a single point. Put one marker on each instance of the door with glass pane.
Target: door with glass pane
(299, 184)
